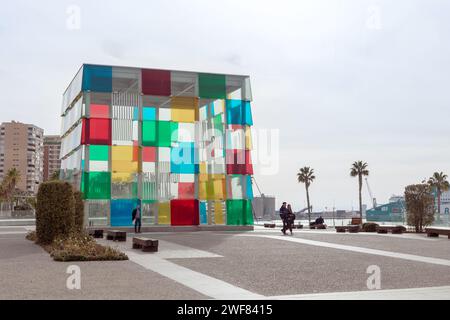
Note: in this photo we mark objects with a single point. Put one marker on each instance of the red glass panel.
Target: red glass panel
(184, 212)
(186, 190)
(149, 154)
(99, 111)
(96, 131)
(239, 162)
(156, 82)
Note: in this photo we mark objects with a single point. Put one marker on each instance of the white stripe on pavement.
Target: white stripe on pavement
(431, 293)
(398, 255)
(209, 286)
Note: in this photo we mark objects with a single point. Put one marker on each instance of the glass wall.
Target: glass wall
(178, 143)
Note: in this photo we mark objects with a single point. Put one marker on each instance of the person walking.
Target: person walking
(290, 218)
(136, 216)
(283, 216)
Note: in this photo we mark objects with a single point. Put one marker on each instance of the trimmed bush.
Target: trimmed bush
(369, 227)
(79, 211)
(55, 210)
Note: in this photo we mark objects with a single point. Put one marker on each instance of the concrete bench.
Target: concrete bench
(318, 226)
(269, 225)
(116, 235)
(392, 229)
(341, 228)
(350, 228)
(96, 233)
(146, 244)
(435, 232)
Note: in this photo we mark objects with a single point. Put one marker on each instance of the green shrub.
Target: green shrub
(31, 236)
(82, 247)
(55, 210)
(79, 211)
(369, 227)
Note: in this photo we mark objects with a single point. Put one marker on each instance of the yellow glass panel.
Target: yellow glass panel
(218, 213)
(219, 189)
(122, 153)
(184, 109)
(124, 166)
(202, 168)
(183, 115)
(123, 159)
(248, 138)
(202, 191)
(164, 213)
(118, 177)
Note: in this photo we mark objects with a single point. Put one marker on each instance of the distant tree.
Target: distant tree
(306, 175)
(419, 205)
(439, 182)
(9, 184)
(55, 175)
(359, 169)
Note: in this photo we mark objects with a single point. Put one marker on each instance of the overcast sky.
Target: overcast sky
(342, 80)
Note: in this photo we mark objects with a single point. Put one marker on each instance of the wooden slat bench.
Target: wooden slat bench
(356, 221)
(116, 235)
(146, 244)
(269, 225)
(318, 226)
(297, 226)
(435, 232)
(392, 229)
(96, 233)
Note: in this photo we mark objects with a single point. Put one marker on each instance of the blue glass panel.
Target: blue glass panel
(203, 214)
(249, 187)
(239, 112)
(121, 210)
(149, 113)
(183, 158)
(136, 113)
(97, 78)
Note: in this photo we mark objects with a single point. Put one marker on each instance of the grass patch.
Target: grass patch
(78, 247)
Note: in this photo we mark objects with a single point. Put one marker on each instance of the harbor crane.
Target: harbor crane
(374, 200)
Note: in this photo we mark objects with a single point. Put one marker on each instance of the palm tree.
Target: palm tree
(306, 175)
(9, 183)
(440, 183)
(359, 169)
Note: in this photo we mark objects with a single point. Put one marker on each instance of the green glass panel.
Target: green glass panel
(97, 185)
(239, 212)
(248, 213)
(164, 129)
(149, 133)
(218, 124)
(212, 86)
(98, 153)
(173, 131)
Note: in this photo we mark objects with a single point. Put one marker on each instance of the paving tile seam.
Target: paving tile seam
(204, 284)
(441, 293)
(363, 250)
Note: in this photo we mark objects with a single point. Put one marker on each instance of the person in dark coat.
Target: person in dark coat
(136, 216)
(290, 218)
(283, 216)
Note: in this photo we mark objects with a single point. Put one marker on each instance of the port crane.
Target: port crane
(374, 200)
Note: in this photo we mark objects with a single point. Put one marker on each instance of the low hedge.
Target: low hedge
(369, 227)
(82, 247)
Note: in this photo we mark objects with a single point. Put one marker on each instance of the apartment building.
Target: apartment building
(21, 147)
(52, 149)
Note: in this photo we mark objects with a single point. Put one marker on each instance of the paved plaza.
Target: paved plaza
(260, 264)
